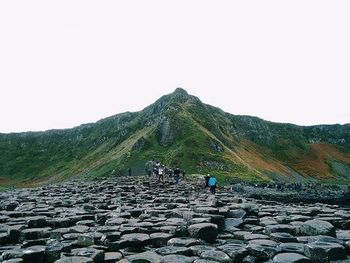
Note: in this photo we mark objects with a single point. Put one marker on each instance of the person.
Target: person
(149, 167)
(160, 173)
(183, 174)
(129, 171)
(207, 177)
(148, 172)
(213, 184)
(177, 175)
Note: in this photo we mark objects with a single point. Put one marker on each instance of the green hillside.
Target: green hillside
(179, 129)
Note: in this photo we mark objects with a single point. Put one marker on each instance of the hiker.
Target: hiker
(148, 172)
(207, 177)
(160, 173)
(129, 171)
(177, 175)
(213, 184)
(149, 168)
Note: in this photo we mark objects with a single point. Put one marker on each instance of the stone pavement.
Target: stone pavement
(132, 220)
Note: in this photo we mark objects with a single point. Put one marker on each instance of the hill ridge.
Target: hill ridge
(180, 129)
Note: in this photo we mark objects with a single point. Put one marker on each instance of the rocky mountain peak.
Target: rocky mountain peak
(180, 90)
(178, 96)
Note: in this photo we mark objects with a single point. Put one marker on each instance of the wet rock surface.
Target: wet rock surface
(136, 219)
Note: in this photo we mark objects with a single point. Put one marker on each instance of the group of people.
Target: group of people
(157, 169)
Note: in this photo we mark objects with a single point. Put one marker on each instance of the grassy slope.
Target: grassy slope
(177, 129)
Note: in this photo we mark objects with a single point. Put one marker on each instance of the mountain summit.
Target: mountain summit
(179, 129)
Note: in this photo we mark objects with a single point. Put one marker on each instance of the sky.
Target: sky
(65, 63)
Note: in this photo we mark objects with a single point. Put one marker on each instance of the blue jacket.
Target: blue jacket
(212, 181)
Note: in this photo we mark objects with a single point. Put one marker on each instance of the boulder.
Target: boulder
(291, 258)
(34, 254)
(324, 252)
(134, 240)
(262, 248)
(317, 227)
(231, 224)
(204, 231)
(160, 239)
(218, 256)
(236, 251)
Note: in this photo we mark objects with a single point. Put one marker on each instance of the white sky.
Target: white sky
(64, 63)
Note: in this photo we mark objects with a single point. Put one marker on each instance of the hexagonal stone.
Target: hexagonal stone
(85, 241)
(231, 224)
(53, 252)
(86, 223)
(291, 247)
(74, 260)
(218, 220)
(59, 222)
(146, 257)
(324, 252)
(279, 228)
(199, 249)
(184, 242)
(235, 251)
(283, 237)
(218, 256)
(204, 261)
(262, 248)
(291, 258)
(176, 259)
(116, 221)
(3, 219)
(205, 231)
(160, 239)
(11, 253)
(250, 236)
(134, 240)
(79, 229)
(15, 260)
(237, 213)
(343, 235)
(169, 250)
(345, 226)
(200, 220)
(110, 237)
(136, 212)
(95, 254)
(3, 239)
(112, 257)
(317, 227)
(34, 233)
(34, 254)
(206, 210)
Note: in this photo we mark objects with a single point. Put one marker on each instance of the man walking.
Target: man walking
(212, 184)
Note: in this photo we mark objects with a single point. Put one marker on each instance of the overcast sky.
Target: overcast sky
(64, 63)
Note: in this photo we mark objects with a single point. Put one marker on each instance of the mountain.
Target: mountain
(179, 129)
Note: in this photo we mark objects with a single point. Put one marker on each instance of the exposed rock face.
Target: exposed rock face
(135, 219)
(166, 135)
